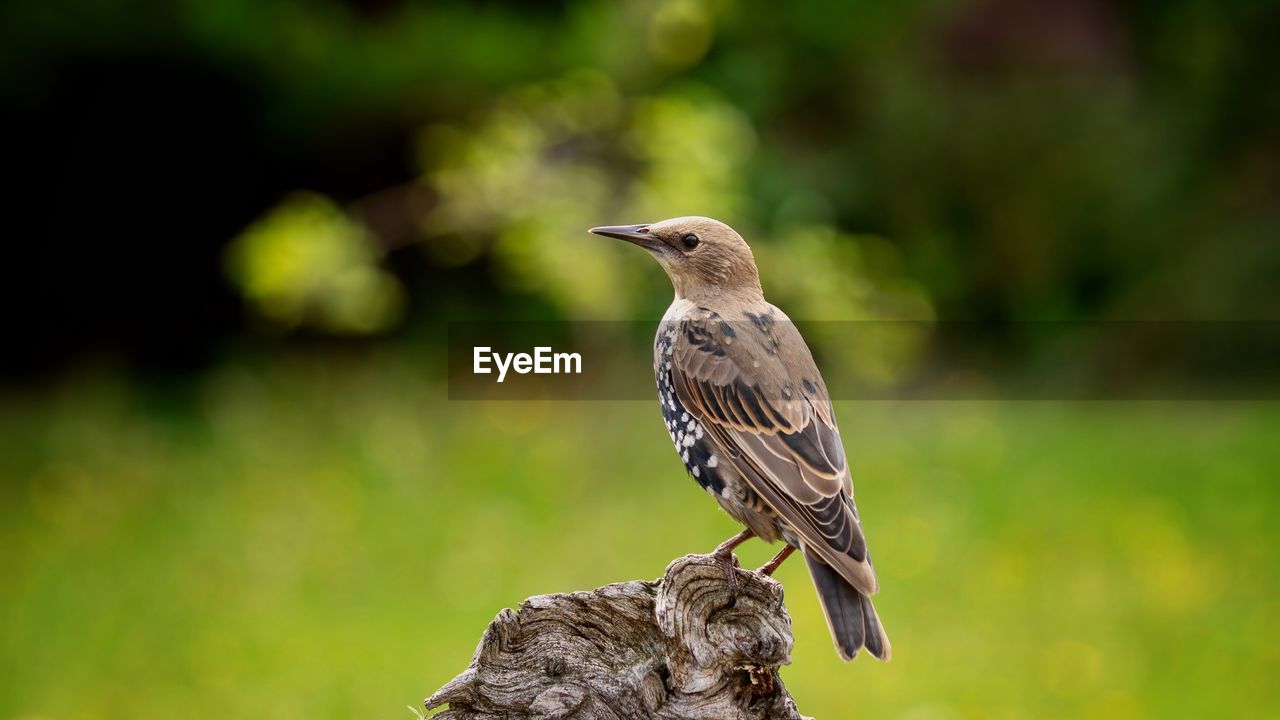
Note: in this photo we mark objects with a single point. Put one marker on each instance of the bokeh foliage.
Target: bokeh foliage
(298, 524)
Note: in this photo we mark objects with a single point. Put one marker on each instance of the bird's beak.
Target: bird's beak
(637, 234)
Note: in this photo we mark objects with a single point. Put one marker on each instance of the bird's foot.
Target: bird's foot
(729, 562)
(724, 553)
(770, 567)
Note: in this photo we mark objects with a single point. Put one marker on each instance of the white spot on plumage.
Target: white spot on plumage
(713, 461)
(685, 457)
(696, 471)
(688, 440)
(684, 416)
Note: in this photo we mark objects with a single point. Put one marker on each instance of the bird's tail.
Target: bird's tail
(850, 615)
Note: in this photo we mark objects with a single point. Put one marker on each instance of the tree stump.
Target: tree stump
(685, 646)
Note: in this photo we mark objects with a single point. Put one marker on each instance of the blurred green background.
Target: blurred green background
(233, 485)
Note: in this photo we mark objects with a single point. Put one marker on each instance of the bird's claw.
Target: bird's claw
(724, 553)
(729, 562)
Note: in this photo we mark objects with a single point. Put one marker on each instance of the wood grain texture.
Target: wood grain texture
(684, 646)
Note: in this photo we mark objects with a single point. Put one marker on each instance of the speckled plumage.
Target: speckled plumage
(696, 449)
(751, 419)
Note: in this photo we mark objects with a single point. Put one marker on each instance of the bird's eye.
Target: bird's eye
(690, 241)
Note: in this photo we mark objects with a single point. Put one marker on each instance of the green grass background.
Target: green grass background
(326, 537)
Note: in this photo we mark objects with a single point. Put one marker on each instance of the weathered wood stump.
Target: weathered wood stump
(685, 646)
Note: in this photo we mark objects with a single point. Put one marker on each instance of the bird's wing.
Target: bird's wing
(752, 383)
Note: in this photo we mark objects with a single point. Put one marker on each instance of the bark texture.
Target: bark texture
(685, 646)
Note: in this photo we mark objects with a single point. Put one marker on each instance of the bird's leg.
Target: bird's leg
(724, 553)
(727, 547)
(771, 566)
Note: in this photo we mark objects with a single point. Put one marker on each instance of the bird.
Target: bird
(752, 420)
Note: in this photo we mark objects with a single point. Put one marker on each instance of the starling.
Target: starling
(751, 418)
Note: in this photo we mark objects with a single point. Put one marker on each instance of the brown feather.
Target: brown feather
(787, 448)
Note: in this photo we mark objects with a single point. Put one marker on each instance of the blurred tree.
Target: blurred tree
(1019, 160)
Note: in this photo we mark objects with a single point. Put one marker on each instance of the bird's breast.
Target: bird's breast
(692, 444)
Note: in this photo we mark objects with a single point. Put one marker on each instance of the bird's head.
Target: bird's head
(701, 256)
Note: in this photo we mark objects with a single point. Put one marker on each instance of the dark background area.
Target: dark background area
(1028, 161)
